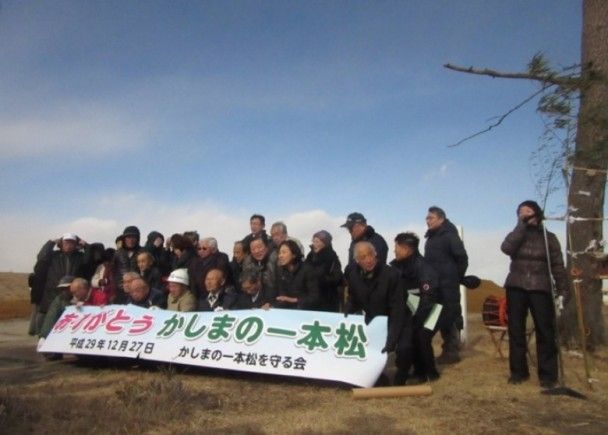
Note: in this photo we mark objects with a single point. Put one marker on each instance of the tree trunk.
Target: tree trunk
(586, 193)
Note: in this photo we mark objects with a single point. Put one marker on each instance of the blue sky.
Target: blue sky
(173, 114)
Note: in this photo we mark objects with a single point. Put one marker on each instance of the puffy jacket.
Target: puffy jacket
(302, 283)
(529, 269)
(446, 254)
(417, 274)
(329, 274)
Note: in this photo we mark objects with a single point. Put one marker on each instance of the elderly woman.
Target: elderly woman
(326, 265)
(180, 297)
(533, 260)
(297, 282)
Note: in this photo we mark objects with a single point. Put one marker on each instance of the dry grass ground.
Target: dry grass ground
(14, 295)
(471, 397)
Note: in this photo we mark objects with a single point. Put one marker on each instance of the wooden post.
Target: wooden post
(383, 392)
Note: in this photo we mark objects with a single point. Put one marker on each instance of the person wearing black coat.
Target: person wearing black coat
(51, 266)
(257, 222)
(236, 265)
(418, 278)
(360, 231)
(142, 295)
(326, 265)
(252, 292)
(297, 283)
(376, 289)
(162, 257)
(125, 259)
(208, 257)
(218, 296)
(445, 252)
(148, 270)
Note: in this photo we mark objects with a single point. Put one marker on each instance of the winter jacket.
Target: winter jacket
(268, 270)
(529, 270)
(185, 302)
(152, 277)
(162, 257)
(445, 252)
(55, 310)
(125, 260)
(416, 274)
(370, 235)
(302, 283)
(235, 272)
(379, 293)
(329, 274)
(156, 298)
(226, 300)
(249, 237)
(247, 302)
(54, 265)
(199, 268)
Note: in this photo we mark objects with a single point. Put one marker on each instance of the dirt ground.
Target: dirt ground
(473, 397)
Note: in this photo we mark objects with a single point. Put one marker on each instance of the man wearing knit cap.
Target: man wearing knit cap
(360, 231)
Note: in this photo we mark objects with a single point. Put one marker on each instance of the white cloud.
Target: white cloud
(26, 234)
(80, 128)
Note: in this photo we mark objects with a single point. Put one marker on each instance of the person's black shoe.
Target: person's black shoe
(547, 384)
(400, 378)
(517, 379)
(433, 376)
(448, 358)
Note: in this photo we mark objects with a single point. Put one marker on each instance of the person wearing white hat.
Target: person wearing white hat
(180, 297)
(53, 264)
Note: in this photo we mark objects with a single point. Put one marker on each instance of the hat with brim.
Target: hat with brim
(354, 218)
(65, 281)
(70, 236)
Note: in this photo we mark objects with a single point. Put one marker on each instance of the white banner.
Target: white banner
(309, 344)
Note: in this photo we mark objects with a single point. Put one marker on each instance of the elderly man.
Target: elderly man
(445, 252)
(360, 231)
(180, 296)
(266, 263)
(278, 234)
(257, 222)
(219, 297)
(252, 295)
(208, 257)
(73, 291)
(376, 289)
(51, 265)
(143, 296)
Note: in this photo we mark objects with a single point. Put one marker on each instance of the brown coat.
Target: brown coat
(529, 270)
(186, 302)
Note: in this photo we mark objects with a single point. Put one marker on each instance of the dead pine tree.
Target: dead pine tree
(585, 164)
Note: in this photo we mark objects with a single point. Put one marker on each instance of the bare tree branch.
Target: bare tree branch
(502, 117)
(554, 79)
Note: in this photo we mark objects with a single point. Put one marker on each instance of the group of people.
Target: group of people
(188, 273)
